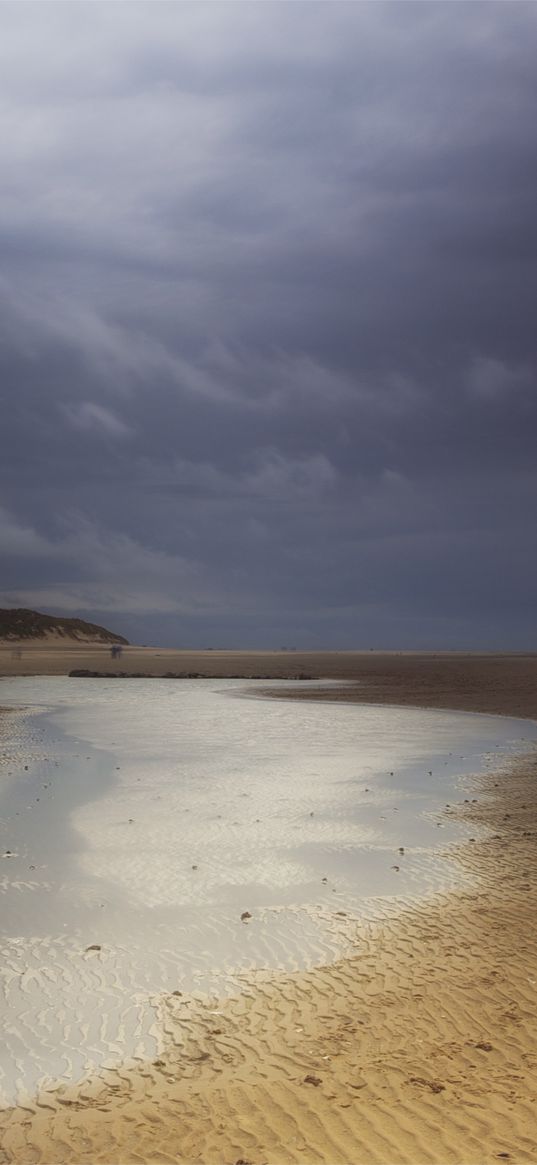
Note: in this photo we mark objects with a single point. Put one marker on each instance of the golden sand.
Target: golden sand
(420, 1047)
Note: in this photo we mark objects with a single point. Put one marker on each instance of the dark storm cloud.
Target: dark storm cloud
(268, 347)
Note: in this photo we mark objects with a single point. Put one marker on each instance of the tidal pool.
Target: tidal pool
(141, 818)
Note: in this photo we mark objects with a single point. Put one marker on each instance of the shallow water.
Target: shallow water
(153, 813)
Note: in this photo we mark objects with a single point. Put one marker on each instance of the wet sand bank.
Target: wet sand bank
(494, 683)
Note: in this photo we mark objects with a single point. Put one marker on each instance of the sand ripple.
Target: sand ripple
(419, 1046)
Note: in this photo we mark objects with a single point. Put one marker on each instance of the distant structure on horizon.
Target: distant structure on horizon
(19, 623)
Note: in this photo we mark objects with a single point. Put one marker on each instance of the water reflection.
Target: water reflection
(152, 814)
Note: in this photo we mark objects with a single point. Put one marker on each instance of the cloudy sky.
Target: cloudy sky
(268, 331)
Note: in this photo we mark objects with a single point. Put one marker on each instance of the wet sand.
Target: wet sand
(494, 683)
(419, 1047)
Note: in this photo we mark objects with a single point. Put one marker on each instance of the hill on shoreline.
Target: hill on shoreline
(18, 623)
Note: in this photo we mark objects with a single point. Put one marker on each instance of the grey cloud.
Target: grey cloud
(89, 415)
(267, 319)
(20, 541)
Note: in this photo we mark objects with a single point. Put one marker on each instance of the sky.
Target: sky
(268, 334)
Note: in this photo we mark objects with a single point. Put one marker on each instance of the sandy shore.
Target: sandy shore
(504, 684)
(421, 1047)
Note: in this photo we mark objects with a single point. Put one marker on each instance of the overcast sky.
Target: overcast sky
(268, 333)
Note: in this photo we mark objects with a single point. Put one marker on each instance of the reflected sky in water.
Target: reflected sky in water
(144, 817)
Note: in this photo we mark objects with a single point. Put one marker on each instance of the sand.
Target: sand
(419, 1047)
(471, 682)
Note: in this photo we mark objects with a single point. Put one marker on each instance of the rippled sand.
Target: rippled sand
(418, 1046)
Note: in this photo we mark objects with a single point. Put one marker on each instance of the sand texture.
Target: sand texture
(506, 684)
(420, 1046)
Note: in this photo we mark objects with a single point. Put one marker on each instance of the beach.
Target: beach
(417, 1046)
(505, 684)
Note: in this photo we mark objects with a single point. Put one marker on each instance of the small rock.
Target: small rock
(245, 915)
(484, 1046)
(94, 947)
(315, 1080)
(396, 868)
(434, 1085)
